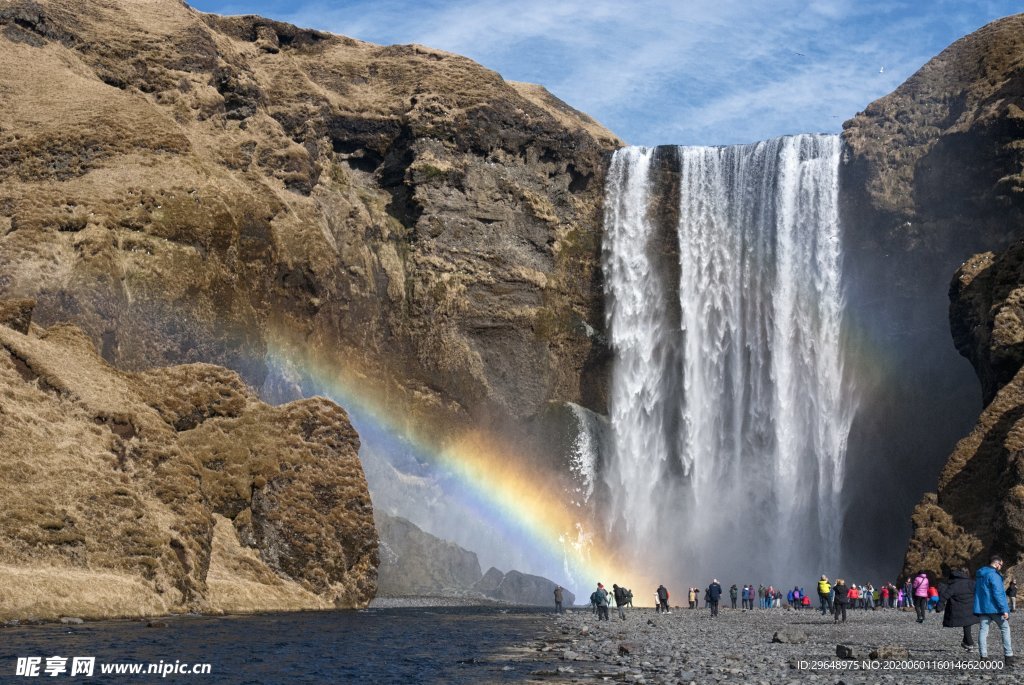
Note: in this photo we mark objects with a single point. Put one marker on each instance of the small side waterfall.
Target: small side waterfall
(729, 412)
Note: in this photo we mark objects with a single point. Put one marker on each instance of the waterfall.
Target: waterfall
(729, 412)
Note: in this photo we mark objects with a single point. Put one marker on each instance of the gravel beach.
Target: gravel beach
(688, 646)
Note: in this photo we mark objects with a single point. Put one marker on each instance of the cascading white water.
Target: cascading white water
(729, 414)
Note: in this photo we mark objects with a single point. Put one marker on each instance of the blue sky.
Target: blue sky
(691, 72)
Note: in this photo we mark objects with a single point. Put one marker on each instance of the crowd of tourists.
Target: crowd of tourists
(963, 601)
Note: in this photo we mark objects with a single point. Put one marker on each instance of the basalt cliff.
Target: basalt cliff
(933, 173)
(979, 506)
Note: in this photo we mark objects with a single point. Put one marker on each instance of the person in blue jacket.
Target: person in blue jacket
(991, 606)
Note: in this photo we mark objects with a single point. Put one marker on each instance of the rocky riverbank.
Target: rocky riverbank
(688, 646)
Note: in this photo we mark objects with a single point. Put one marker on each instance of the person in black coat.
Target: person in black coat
(956, 601)
(840, 601)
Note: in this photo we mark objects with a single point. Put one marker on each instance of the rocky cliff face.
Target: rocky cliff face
(171, 489)
(979, 506)
(932, 174)
(189, 187)
(415, 563)
(521, 588)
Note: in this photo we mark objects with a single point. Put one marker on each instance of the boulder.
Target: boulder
(790, 636)
(890, 653)
(846, 652)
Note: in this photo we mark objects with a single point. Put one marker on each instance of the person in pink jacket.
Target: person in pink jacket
(920, 585)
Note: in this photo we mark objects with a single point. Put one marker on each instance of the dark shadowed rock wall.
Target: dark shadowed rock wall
(978, 508)
(932, 174)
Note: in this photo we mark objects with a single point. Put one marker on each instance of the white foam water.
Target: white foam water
(729, 411)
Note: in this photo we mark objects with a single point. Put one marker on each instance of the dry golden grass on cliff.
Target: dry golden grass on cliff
(178, 184)
(111, 484)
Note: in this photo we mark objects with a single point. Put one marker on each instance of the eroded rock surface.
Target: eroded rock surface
(172, 489)
(931, 176)
(979, 506)
(189, 187)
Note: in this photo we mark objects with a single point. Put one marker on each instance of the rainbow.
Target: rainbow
(524, 510)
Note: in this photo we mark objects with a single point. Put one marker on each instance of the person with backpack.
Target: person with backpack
(920, 587)
(956, 601)
(663, 598)
(558, 600)
(990, 607)
(733, 594)
(620, 600)
(601, 595)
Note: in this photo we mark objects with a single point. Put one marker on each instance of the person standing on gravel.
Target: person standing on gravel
(840, 601)
(1011, 594)
(991, 607)
(620, 600)
(558, 600)
(956, 601)
(733, 593)
(663, 598)
(602, 602)
(920, 586)
(824, 594)
(714, 594)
